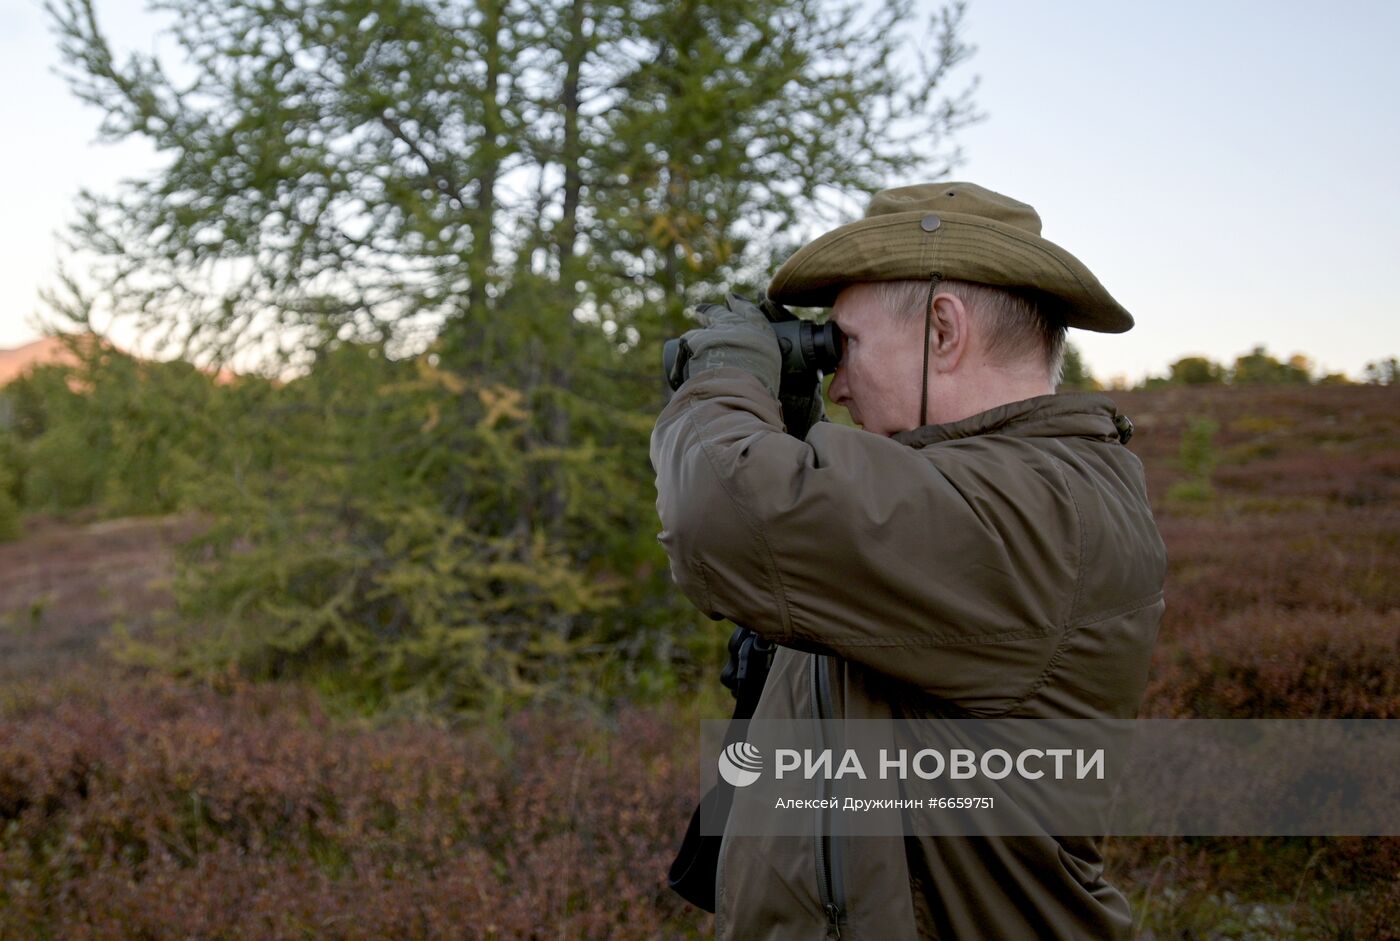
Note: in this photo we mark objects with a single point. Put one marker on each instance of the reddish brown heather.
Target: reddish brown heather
(1283, 601)
(150, 810)
(156, 811)
(1280, 663)
(1283, 589)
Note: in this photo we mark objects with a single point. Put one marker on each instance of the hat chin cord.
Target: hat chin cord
(933, 280)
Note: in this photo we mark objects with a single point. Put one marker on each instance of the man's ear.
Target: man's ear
(949, 333)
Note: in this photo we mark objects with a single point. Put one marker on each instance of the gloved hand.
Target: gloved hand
(735, 334)
(800, 395)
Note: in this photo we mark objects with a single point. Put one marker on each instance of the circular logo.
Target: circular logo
(740, 764)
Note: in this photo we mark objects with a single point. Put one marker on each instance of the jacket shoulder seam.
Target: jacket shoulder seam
(925, 641)
(1127, 607)
(1063, 645)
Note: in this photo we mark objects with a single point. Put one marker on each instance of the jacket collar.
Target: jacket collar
(1070, 414)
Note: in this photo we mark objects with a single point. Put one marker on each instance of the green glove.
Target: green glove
(800, 395)
(735, 334)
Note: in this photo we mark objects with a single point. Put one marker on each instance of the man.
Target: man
(982, 548)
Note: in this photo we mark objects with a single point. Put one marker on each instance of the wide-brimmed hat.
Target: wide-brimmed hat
(957, 230)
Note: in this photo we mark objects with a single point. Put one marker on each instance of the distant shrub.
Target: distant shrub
(1075, 375)
(10, 514)
(1254, 368)
(1257, 366)
(11, 525)
(65, 470)
(1197, 458)
(1196, 370)
(1260, 425)
(1190, 491)
(120, 435)
(1383, 372)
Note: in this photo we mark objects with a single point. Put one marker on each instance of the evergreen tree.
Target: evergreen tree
(469, 225)
(1196, 370)
(1075, 374)
(372, 170)
(1382, 372)
(1258, 366)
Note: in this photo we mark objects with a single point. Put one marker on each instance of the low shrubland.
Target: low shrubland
(283, 782)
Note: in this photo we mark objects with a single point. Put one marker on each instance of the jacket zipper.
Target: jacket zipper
(830, 883)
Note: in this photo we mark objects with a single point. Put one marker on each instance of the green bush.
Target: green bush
(1191, 491)
(1198, 456)
(455, 531)
(11, 524)
(11, 517)
(415, 537)
(1196, 370)
(122, 436)
(65, 471)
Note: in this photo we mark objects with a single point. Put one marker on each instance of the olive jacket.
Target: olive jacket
(1004, 565)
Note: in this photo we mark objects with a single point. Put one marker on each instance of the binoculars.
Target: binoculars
(807, 348)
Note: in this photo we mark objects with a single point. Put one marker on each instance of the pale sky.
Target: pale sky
(1228, 169)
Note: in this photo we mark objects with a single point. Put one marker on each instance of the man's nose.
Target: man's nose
(837, 390)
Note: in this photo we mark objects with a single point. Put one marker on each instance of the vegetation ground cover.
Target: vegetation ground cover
(136, 805)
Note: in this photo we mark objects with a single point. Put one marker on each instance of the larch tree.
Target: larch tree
(469, 224)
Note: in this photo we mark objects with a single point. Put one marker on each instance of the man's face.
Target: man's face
(881, 363)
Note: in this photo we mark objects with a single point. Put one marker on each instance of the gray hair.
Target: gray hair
(1014, 326)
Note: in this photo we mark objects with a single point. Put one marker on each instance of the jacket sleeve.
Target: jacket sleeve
(952, 569)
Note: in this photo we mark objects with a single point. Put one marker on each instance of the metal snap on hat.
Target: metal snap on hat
(960, 230)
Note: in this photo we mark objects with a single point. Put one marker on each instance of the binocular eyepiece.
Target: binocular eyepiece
(806, 347)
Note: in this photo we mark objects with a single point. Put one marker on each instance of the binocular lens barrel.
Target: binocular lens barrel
(805, 347)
